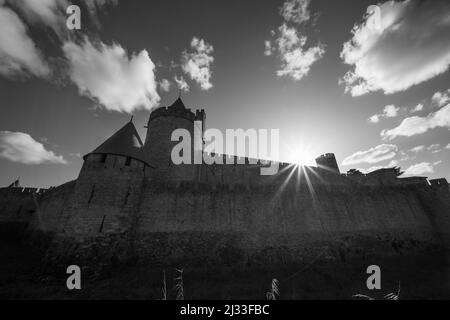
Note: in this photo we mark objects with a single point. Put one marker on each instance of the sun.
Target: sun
(301, 154)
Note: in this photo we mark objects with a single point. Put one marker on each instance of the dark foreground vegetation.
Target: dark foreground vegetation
(23, 276)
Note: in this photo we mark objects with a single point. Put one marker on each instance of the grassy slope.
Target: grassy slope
(421, 277)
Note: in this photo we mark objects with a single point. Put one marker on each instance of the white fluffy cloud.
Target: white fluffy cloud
(164, 84)
(53, 12)
(434, 148)
(48, 12)
(417, 125)
(296, 11)
(448, 147)
(296, 60)
(389, 111)
(290, 44)
(419, 169)
(18, 52)
(375, 118)
(21, 147)
(407, 43)
(197, 64)
(181, 83)
(109, 76)
(371, 169)
(268, 48)
(417, 108)
(441, 98)
(417, 149)
(376, 154)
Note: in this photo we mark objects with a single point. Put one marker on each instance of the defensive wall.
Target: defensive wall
(229, 210)
(131, 200)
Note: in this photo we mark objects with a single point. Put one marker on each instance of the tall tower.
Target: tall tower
(108, 186)
(328, 162)
(158, 145)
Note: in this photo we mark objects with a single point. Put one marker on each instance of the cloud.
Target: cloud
(290, 44)
(405, 156)
(448, 147)
(94, 6)
(18, 53)
(268, 48)
(164, 84)
(110, 77)
(417, 125)
(296, 60)
(371, 169)
(21, 147)
(407, 43)
(296, 11)
(419, 169)
(197, 64)
(76, 155)
(376, 154)
(417, 108)
(53, 12)
(392, 163)
(49, 12)
(434, 148)
(375, 118)
(389, 111)
(181, 83)
(441, 98)
(417, 149)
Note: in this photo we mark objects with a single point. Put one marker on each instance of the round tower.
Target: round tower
(158, 144)
(125, 146)
(328, 162)
(108, 186)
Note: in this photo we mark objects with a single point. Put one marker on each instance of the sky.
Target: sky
(368, 83)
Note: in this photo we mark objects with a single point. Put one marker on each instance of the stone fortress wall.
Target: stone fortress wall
(165, 211)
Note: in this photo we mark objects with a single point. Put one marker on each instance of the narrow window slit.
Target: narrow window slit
(102, 224)
(92, 194)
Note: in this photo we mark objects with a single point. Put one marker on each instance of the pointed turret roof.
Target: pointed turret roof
(125, 142)
(15, 184)
(179, 104)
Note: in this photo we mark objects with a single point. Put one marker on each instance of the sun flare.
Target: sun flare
(301, 154)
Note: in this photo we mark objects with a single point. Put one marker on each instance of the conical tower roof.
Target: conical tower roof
(15, 184)
(125, 142)
(179, 104)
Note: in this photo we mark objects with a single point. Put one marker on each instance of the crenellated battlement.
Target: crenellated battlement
(169, 112)
(24, 190)
(439, 183)
(178, 109)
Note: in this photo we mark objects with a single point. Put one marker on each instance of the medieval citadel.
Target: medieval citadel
(131, 200)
